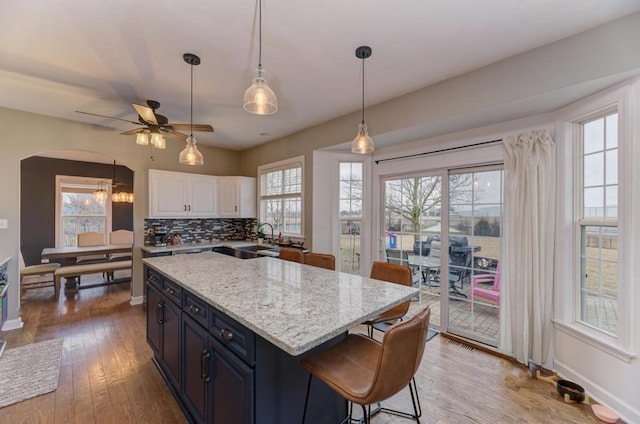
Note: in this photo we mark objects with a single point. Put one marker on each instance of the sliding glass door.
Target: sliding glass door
(454, 256)
(474, 252)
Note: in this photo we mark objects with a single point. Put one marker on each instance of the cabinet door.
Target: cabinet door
(233, 387)
(167, 194)
(154, 320)
(171, 341)
(196, 372)
(202, 196)
(228, 197)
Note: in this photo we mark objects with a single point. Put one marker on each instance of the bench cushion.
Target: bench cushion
(91, 268)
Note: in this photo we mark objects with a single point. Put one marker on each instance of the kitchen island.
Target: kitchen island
(228, 334)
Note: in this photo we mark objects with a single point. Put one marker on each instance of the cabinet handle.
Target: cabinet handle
(226, 334)
(185, 208)
(194, 309)
(236, 208)
(189, 208)
(169, 290)
(204, 365)
(159, 313)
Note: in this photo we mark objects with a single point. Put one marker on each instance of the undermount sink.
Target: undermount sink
(245, 252)
(257, 247)
(230, 251)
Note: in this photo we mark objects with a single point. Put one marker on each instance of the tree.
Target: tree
(412, 198)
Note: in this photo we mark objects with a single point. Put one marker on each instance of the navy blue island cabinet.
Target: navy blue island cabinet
(221, 372)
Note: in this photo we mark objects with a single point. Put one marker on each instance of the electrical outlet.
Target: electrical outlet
(4, 224)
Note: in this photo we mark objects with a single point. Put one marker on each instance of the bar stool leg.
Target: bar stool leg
(306, 399)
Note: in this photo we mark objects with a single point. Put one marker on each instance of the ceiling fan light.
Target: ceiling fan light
(142, 138)
(158, 141)
(362, 144)
(190, 155)
(259, 98)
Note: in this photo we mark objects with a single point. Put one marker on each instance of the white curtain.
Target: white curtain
(527, 260)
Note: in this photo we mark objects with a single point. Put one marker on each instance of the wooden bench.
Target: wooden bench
(76, 270)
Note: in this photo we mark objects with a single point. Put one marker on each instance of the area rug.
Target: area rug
(29, 371)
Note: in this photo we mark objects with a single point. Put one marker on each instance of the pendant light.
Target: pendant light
(362, 144)
(100, 194)
(259, 98)
(190, 155)
(119, 195)
(142, 137)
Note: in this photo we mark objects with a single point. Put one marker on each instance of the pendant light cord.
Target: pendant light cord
(363, 90)
(260, 34)
(192, 100)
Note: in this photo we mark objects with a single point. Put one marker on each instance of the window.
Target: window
(280, 196)
(597, 222)
(78, 210)
(350, 201)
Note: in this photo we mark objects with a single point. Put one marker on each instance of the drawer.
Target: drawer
(196, 308)
(153, 278)
(235, 336)
(173, 292)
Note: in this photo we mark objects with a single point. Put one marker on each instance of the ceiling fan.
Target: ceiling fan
(154, 123)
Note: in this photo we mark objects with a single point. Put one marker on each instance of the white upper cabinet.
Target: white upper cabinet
(181, 195)
(236, 197)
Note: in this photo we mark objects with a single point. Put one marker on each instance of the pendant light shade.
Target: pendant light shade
(259, 98)
(362, 144)
(190, 155)
(100, 194)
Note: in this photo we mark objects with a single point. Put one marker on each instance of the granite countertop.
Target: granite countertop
(296, 307)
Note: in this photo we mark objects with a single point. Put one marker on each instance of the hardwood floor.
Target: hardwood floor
(107, 375)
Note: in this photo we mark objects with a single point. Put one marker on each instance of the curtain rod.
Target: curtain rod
(439, 151)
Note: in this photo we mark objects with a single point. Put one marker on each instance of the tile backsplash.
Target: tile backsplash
(201, 230)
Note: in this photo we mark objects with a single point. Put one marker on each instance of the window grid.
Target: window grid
(597, 222)
(281, 198)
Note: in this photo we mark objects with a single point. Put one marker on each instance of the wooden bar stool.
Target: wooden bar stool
(293, 255)
(365, 371)
(322, 260)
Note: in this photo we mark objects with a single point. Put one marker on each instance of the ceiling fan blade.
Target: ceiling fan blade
(133, 131)
(146, 113)
(108, 117)
(196, 127)
(174, 134)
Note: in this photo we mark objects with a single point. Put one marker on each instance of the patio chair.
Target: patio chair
(458, 272)
(490, 289)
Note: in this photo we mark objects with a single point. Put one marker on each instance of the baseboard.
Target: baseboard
(12, 324)
(136, 300)
(628, 413)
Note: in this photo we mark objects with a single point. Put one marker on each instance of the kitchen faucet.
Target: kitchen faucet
(270, 226)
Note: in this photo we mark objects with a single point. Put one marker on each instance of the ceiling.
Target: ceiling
(57, 57)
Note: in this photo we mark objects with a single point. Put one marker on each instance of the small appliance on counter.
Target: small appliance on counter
(160, 236)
